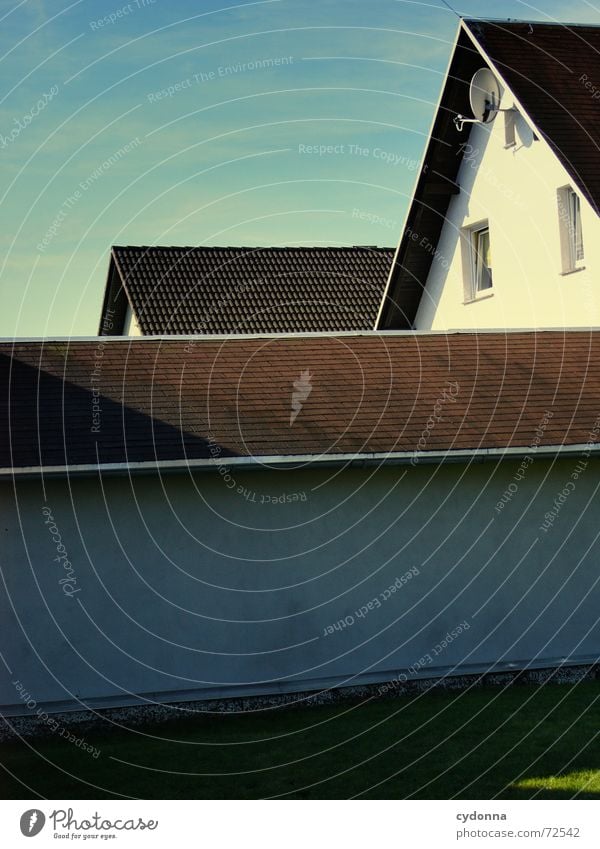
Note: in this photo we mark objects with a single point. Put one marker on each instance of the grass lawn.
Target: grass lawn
(520, 743)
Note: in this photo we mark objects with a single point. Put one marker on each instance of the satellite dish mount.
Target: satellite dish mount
(485, 94)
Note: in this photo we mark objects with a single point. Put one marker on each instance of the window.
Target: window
(510, 122)
(482, 260)
(571, 235)
(477, 261)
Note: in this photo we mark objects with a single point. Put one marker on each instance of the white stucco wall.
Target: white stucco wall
(186, 587)
(515, 189)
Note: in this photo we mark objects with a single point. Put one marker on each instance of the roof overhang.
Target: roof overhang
(434, 189)
(297, 461)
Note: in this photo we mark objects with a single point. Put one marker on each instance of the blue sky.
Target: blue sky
(188, 123)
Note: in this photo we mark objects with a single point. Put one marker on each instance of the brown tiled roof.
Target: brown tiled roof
(186, 290)
(547, 66)
(176, 400)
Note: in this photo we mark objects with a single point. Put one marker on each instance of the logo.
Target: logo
(302, 389)
(32, 822)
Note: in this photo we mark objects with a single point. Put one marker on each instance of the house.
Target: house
(195, 518)
(503, 229)
(160, 291)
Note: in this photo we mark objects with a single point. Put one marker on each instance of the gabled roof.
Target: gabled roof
(180, 403)
(207, 290)
(546, 66)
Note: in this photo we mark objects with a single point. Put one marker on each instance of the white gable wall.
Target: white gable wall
(131, 326)
(515, 189)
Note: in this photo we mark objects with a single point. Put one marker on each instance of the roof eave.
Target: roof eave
(392, 458)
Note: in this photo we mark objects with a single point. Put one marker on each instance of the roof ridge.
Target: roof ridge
(253, 247)
(183, 338)
(526, 21)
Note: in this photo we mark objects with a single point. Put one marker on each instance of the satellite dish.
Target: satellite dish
(485, 94)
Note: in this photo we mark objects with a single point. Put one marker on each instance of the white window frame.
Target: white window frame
(472, 265)
(571, 230)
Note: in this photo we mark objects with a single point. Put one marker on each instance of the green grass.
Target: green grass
(520, 743)
(572, 782)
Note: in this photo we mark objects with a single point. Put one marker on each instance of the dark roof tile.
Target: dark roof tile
(208, 290)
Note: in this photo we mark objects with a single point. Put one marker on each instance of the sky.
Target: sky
(172, 122)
